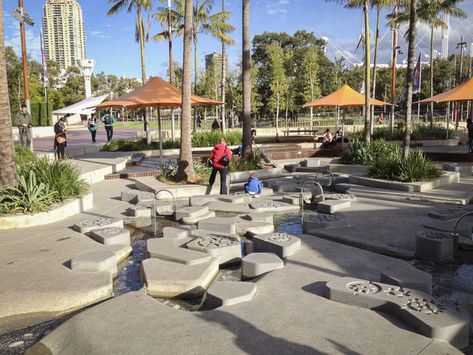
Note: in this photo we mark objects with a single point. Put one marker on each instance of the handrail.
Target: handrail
(459, 220)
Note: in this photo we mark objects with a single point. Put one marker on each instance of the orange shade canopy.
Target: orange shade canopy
(463, 92)
(155, 93)
(345, 96)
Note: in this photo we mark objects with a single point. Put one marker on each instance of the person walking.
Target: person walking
(108, 120)
(469, 126)
(24, 124)
(221, 156)
(93, 125)
(60, 140)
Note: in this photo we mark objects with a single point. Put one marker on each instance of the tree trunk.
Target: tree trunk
(246, 77)
(196, 69)
(143, 69)
(185, 168)
(277, 117)
(375, 62)
(7, 162)
(367, 72)
(222, 89)
(409, 73)
(431, 75)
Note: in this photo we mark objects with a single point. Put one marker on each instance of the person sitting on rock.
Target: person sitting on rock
(253, 186)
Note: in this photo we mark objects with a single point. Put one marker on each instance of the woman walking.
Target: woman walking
(60, 140)
(93, 125)
(221, 156)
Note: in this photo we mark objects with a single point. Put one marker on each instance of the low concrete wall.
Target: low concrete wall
(446, 179)
(42, 132)
(97, 175)
(349, 169)
(58, 213)
(433, 142)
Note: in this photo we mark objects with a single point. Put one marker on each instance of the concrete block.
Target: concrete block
(243, 227)
(97, 223)
(260, 217)
(218, 224)
(135, 196)
(282, 244)
(235, 198)
(180, 232)
(284, 186)
(111, 236)
(226, 249)
(272, 206)
(138, 211)
(164, 208)
(342, 187)
(220, 206)
(167, 279)
(434, 246)
(324, 221)
(166, 249)
(227, 293)
(332, 206)
(408, 277)
(291, 168)
(256, 264)
(417, 309)
(312, 163)
(95, 261)
(194, 220)
(202, 200)
(344, 197)
(191, 212)
(450, 167)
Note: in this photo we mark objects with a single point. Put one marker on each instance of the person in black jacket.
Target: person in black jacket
(60, 140)
(469, 126)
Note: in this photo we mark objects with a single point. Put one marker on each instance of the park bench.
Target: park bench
(312, 131)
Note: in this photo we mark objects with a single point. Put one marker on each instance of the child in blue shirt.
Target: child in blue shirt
(253, 186)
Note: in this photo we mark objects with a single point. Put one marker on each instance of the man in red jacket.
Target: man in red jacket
(221, 156)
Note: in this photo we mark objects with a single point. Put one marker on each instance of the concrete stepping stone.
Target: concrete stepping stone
(138, 211)
(408, 278)
(194, 220)
(283, 186)
(434, 246)
(135, 196)
(333, 206)
(180, 232)
(95, 261)
(256, 264)
(260, 217)
(228, 293)
(349, 197)
(197, 233)
(111, 236)
(226, 249)
(449, 212)
(417, 309)
(244, 226)
(166, 249)
(272, 206)
(97, 223)
(324, 221)
(165, 279)
(218, 224)
(220, 206)
(282, 244)
(164, 208)
(291, 168)
(311, 163)
(235, 198)
(202, 200)
(192, 212)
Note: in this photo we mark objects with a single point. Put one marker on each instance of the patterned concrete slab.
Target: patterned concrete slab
(282, 244)
(333, 206)
(166, 249)
(95, 261)
(256, 264)
(417, 309)
(111, 236)
(235, 198)
(225, 249)
(138, 211)
(228, 293)
(268, 205)
(408, 278)
(349, 197)
(434, 246)
(167, 279)
(97, 223)
(135, 196)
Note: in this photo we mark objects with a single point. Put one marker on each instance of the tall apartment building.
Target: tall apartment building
(63, 32)
(217, 59)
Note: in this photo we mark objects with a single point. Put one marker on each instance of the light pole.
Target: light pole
(460, 46)
(222, 89)
(170, 64)
(396, 51)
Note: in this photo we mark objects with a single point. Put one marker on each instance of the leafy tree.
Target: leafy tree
(310, 77)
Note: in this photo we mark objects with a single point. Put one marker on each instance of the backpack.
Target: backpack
(107, 119)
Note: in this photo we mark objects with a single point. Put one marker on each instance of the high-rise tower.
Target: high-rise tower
(445, 36)
(63, 30)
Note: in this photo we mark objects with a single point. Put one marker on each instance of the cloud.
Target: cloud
(277, 8)
(98, 34)
(13, 39)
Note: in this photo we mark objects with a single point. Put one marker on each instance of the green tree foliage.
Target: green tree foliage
(278, 82)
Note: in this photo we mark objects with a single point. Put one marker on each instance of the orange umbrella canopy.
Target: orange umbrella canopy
(345, 96)
(463, 92)
(155, 93)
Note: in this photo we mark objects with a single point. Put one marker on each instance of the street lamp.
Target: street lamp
(396, 50)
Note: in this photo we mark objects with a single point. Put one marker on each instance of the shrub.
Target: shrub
(210, 138)
(417, 167)
(245, 164)
(169, 171)
(23, 155)
(127, 145)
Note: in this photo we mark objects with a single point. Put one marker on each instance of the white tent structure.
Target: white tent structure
(80, 108)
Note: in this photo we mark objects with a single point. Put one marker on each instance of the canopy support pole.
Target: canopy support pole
(160, 137)
(173, 126)
(343, 127)
(448, 113)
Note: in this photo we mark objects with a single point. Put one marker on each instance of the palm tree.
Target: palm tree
(246, 78)
(365, 4)
(139, 6)
(204, 22)
(411, 36)
(430, 12)
(185, 167)
(7, 162)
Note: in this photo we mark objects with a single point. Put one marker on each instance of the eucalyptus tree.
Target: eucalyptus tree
(277, 78)
(311, 70)
(7, 162)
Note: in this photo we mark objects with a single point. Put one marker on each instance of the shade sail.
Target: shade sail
(155, 93)
(345, 96)
(463, 92)
(82, 107)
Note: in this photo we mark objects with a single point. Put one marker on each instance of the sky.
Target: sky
(110, 39)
